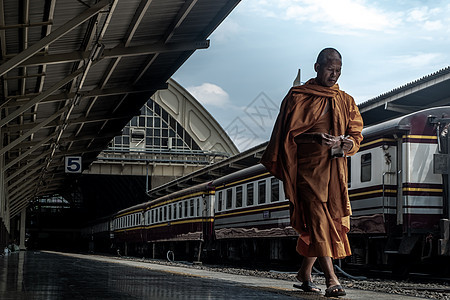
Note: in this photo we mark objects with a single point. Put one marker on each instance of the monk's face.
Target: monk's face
(328, 74)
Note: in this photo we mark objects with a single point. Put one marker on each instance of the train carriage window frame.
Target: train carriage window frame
(239, 196)
(191, 208)
(219, 200)
(274, 189)
(229, 198)
(197, 206)
(250, 194)
(366, 167)
(185, 203)
(262, 188)
(180, 210)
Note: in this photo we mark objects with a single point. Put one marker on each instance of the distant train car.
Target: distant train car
(182, 220)
(397, 199)
(252, 216)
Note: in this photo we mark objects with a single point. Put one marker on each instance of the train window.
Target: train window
(156, 216)
(197, 205)
(275, 190)
(239, 196)
(261, 192)
(219, 205)
(180, 210)
(366, 167)
(174, 211)
(160, 214)
(165, 213)
(152, 218)
(191, 207)
(250, 194)
(185, 209)
(229, 198)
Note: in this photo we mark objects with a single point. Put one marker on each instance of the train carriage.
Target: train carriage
(183, 218)
(397, 199)
(252, 216)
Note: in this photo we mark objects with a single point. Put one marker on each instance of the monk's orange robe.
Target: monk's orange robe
(315, 185)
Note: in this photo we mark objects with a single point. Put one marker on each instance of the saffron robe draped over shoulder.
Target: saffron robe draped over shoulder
(300, 111)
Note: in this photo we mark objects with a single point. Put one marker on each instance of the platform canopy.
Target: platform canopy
(74, 72)
(429, 91)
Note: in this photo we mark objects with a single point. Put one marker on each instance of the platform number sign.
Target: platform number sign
(73, 164)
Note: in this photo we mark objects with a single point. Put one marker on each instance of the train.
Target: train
(397, 185)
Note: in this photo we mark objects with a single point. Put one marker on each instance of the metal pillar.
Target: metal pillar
(23, 216)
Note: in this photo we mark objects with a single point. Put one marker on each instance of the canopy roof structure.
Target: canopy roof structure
(429, 91)
(74, 72)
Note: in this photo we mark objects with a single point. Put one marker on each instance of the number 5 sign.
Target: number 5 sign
(73, 164)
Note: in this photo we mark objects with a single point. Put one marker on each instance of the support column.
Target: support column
(23, 217)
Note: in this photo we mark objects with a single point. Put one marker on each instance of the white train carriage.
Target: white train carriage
(251, 208)
(181, 220)
(396, 198)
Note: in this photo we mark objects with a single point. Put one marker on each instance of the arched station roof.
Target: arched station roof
(73, 73)
(194, 118)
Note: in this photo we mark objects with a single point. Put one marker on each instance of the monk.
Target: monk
(317, 127)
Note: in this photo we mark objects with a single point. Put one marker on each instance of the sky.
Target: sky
(256, 52)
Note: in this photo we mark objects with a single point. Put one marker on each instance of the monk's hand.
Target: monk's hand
(329, 140)
(346, 144)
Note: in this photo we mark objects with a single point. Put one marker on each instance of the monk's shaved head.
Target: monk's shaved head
(328, 54)
(328, 67)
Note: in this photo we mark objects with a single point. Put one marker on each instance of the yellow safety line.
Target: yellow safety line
(372, 192)
(428, 137)
(166, 224)
(252, 210)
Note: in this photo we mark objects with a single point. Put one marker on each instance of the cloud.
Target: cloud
(226, 31)
(210, 94)
(417, 61)
(344, 14)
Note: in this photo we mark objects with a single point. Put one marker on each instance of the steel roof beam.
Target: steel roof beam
(28, 166)
(28, 152)
(23, 178)
(17, 208)
(181, 16)
(19, 100)
(2, 32)
(55, 35)
(40, 97)
(24, 25)
(116, 52)
(32, 131)
(24, 188)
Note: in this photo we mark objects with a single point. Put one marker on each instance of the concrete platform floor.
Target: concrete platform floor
(54, 275)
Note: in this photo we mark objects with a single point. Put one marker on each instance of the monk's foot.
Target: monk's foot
(307, 285)
(334, 288)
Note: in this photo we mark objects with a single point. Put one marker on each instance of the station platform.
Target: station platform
(55, 275)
